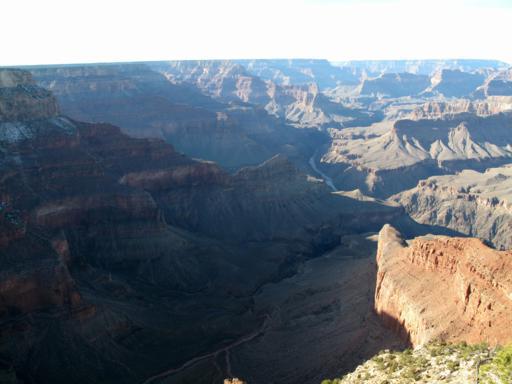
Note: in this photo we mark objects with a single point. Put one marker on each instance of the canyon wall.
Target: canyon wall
(443, 288)
(474, 203)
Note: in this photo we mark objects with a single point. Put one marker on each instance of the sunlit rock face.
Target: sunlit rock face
(449, 109)
(475, 203)
(389, 157)
(443, 288)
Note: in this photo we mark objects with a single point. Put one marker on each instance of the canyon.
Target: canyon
(190, 221)
(117, 248)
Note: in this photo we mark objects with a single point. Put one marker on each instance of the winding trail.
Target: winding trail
(327, 179)
(244, 339)
(195, 360)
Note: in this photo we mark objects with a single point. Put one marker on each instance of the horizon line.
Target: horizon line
(331, 61)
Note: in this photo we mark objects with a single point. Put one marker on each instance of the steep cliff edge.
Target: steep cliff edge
(453, 289)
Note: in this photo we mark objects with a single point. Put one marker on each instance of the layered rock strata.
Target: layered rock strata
(443, 288)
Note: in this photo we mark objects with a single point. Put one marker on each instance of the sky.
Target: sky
(85, 31)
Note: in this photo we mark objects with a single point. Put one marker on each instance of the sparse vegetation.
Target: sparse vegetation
(437, 361)
(499, 369)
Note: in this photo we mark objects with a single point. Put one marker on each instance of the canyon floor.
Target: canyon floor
(318, 323)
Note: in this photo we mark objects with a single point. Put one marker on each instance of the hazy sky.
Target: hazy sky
(72, 31)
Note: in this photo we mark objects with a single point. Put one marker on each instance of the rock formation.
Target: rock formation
(474, 203)
(300, 103)
(449, 109)
(131, 261)
(455, 83)
(443, 288)
(20, 99)
(395, 85)
(498, 84)
(144, 103)
(389, 157)
(115, 250)
(303, 72)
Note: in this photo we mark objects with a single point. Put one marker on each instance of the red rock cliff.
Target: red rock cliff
(455, 289)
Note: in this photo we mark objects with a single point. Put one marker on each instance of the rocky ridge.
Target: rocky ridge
(302, 104)
(424, 67)
(389, 157)
(394, 85)
(474, 203)
(432, 363)
(498, 84)
(455, 83)
(144, 103)
(21, 100)
(449, 109)
(443, 288)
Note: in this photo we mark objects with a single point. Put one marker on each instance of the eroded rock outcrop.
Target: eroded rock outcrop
(449, 109)
(455, 83)
(300, 103)
(475, 203)
(395, 85)
(22, 100)
(454, 289)
(389, 157)
(498, 84)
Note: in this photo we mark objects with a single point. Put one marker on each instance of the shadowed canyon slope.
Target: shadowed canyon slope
(145, 104)
(131, 257)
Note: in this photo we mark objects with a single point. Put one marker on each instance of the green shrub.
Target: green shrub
(500, 366)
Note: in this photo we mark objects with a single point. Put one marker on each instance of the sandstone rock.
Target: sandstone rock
(453, 289)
